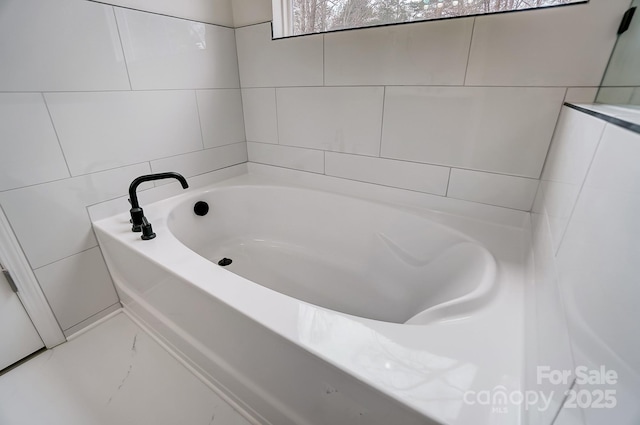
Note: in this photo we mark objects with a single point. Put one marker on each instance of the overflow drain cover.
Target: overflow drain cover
(225, 262)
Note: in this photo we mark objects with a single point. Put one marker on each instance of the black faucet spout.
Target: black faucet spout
(137, 215)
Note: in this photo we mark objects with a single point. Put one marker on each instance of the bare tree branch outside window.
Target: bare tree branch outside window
(312, 16)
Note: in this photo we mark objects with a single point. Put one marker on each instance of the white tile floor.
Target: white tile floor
(114, 374)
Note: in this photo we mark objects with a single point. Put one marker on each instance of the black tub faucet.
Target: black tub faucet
(138, 221)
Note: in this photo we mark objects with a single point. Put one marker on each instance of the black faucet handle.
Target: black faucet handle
(147, 230)
(137, 217)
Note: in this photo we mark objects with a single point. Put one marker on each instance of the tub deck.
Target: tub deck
(427, 368)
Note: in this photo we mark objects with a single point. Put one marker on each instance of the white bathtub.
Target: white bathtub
(334, 310)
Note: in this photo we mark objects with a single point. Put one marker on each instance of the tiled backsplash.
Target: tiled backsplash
(463, 108)
(585, 231)
(92, 96)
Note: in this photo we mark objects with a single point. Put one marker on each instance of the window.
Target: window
(299, 17)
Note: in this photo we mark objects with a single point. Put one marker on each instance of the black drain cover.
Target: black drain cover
(201, 208)
(225, 262)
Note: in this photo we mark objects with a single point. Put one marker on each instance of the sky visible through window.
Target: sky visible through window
(312, 16)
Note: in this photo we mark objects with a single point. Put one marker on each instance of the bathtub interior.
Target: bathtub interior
(348, 255)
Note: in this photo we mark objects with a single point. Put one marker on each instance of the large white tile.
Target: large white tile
(212, 11)
(289, 62)
(170, 53)
(30, 150)
(51, 220)
(388, 172)
(493, 189)
(566, 46)
(553, 343)
(99, 131)
(598, 261)
(77, 287)
(559, 200)
(287, 156)
(221, 117)
(249, 12)
(615, 166)
(497, 129)
(431, 53)
(113, 374)
(200, 162)
(260, 118)
(61, 45)
(574, 144)
(344, 119)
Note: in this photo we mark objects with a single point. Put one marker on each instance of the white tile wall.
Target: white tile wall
(212, 11)
(77, 286)
(220, 117)
(287, 62)
(344, 119)
(200, 162)
(402, 174)
(574, 143)
(434, 54)
(596, 260)
(260, 119)
(104, 130)
(30, 150)
(549, 330)
(513, 71)
(249, 12)
(60, 45)
(50, 219)
(497, 129)
(108, 134)
(567, 46)
(494, 189)
(286, 156)
(164, 52)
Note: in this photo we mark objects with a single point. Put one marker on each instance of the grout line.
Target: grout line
(235, 43)
(553, 135)
(466, 68)
(324, 162)
(124, 56)
(125, 90)
(564, 400)
(160, 14)
(68, 256)
(441, 86)
(446, 193)
(324, 62)
(256, 24)
(584, 181)
(384, 97)
(195, 94)
(275, 98)
(55, 130)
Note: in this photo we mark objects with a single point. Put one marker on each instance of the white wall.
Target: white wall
(210, 11)
(92, 96)
(586, 254)
(475, 99)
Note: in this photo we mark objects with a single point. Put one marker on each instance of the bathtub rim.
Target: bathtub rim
(105, 228)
